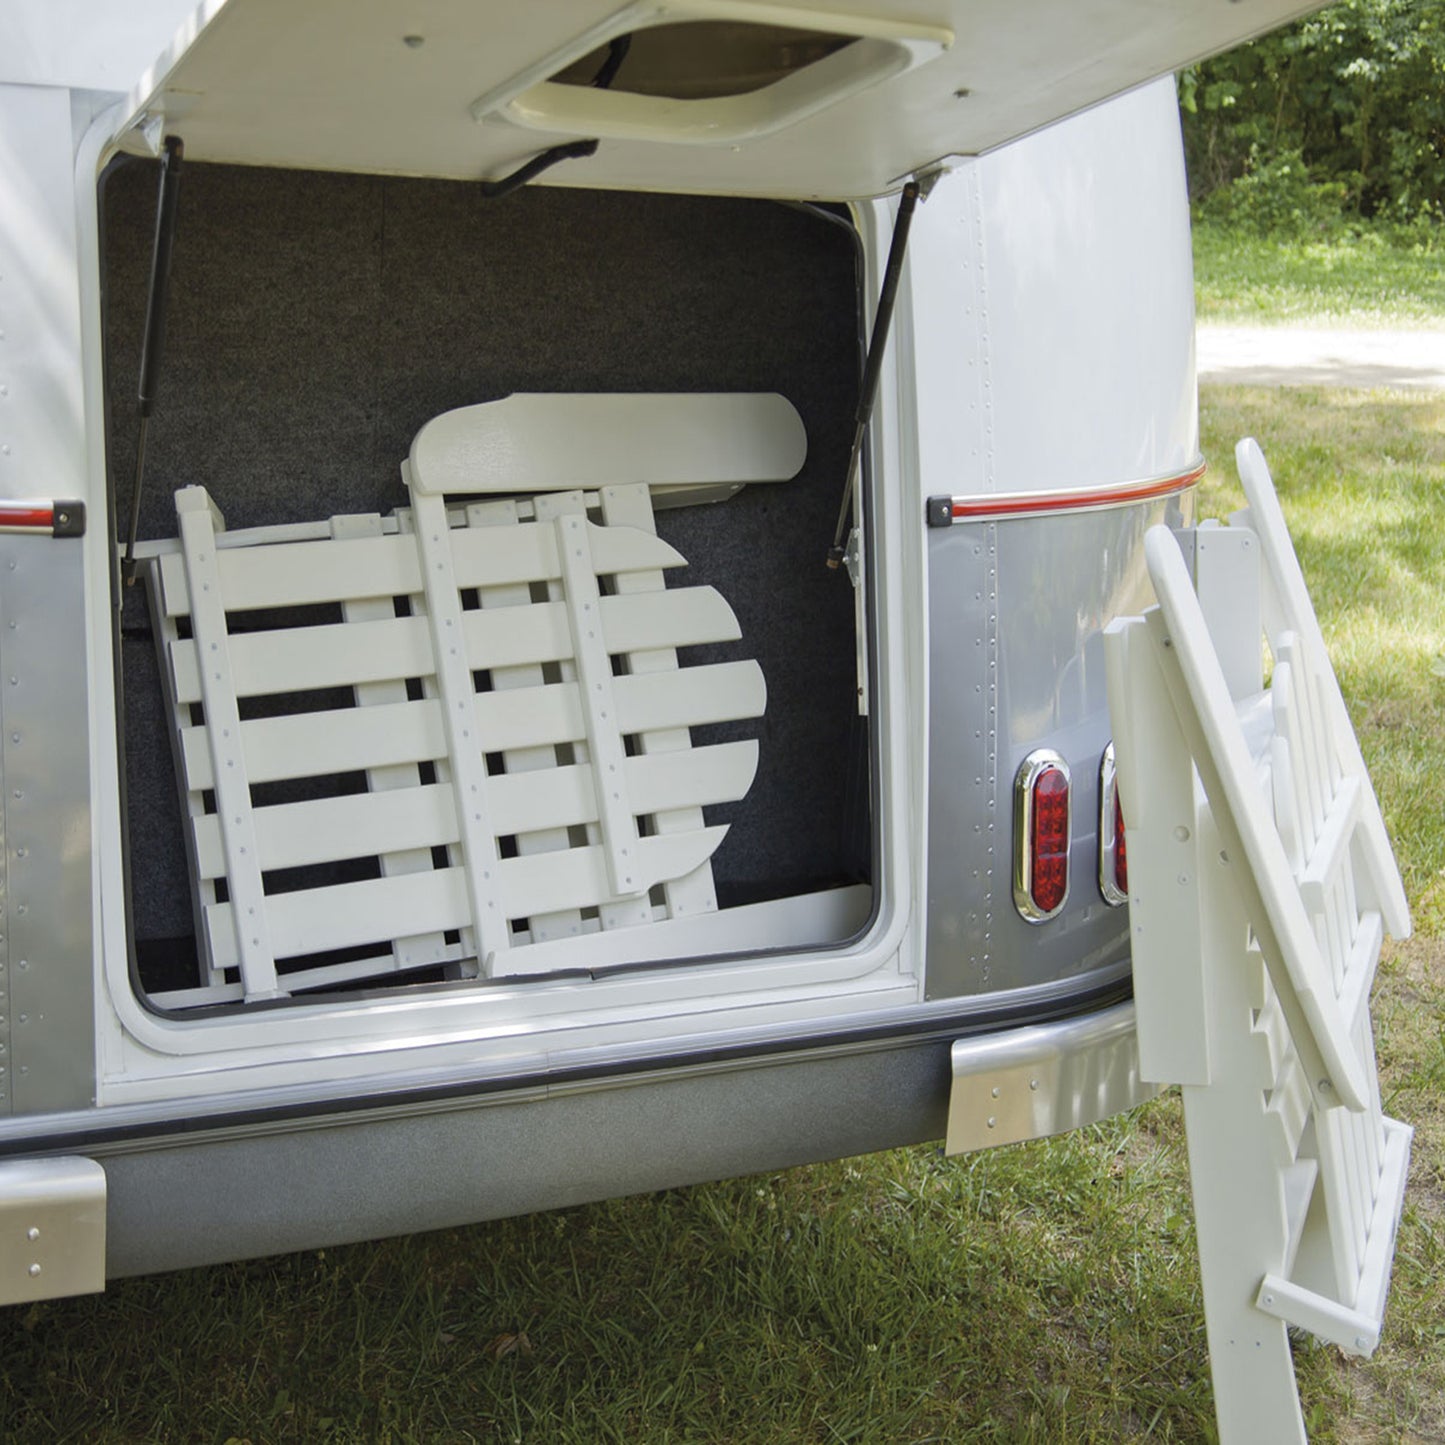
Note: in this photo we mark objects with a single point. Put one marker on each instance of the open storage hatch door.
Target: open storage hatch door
(775, 100)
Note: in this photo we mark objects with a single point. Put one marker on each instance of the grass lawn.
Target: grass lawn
(1359, 281)
(1047, 1292)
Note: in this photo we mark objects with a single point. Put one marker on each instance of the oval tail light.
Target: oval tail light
(1113, 855)
(1041, 835)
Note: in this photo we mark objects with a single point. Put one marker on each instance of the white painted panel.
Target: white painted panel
(1051, 302)
(555, 441)
(42, 438)
(87, 44)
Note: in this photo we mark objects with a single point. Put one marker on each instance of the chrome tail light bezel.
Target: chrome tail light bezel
(1109, 888)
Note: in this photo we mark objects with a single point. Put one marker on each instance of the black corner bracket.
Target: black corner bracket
(938, 511)
(68, 519)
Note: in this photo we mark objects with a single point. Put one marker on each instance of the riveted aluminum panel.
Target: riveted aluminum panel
(1017, 612)
(45, 894)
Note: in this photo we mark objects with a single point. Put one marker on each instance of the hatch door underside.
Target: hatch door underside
(708, 96)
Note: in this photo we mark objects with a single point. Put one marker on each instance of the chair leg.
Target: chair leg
(1240, 1217)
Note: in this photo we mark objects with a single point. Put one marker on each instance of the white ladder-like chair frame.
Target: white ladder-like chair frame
(517, 701)
(1261, 885)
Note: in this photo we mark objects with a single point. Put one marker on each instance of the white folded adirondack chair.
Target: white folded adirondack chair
(1261, 883)
(516, 701)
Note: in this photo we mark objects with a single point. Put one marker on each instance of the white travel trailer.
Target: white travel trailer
(376, 784)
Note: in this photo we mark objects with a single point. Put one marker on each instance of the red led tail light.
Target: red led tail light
(1041, 835)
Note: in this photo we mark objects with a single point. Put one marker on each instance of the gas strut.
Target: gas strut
(868, 389)
(154, 339)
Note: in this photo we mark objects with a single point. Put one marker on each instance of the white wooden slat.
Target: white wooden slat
(1304, 755)
(1271, 1033)
(192, 800)
(692, 893)
(1348, 1222)
(541, 443)
(1289, 586)
(419, 606)
(594, 681)
(354, 739)
(465, 749)
(623, 912)
(299, 574)
(1224, 764)
(692, 777)
(481, 559)
(302, 659)
(338, 740)
(1289, 1110)
(1159, 804)
(350, 915)
(355, 825)
(579, 877)
(1284, 794)
(541, 760)
(197, 525)
(634, 622)
(393, 856)
(355, 566)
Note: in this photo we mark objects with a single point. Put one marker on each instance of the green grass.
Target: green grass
(1349, 280)
(1043, 1293)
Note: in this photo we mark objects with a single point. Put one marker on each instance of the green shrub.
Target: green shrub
(1278, 197)
(1351, 97)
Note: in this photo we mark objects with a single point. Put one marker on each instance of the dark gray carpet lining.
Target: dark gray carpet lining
(317, 321)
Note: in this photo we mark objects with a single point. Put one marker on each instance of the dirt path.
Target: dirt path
(1300, 356)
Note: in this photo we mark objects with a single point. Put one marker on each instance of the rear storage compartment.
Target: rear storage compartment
(317, 322)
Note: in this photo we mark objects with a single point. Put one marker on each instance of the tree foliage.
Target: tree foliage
(1342, 114)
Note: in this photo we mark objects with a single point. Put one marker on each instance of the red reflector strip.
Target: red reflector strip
(27, 516)
(1028, 504)
(1041, 835)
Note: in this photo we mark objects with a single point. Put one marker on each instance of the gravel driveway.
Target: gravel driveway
(1303, 356)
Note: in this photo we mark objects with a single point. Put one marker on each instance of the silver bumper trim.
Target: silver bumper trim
(1030, 1082)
